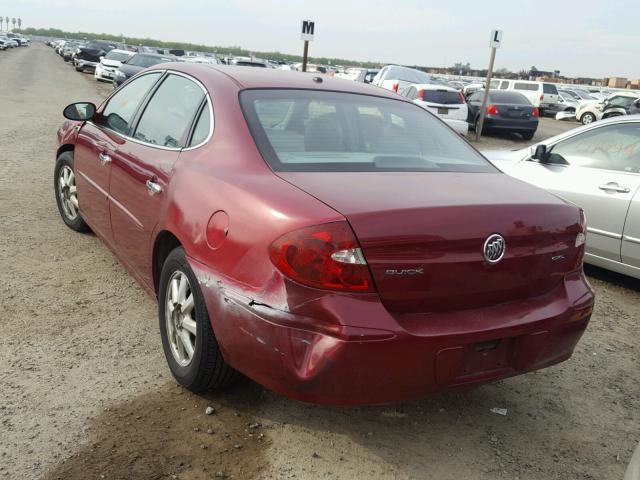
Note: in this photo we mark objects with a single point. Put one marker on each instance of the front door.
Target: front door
(596, 171)
(143, 165)
(92, 164)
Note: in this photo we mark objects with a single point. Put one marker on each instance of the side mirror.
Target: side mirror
(540, 153)
(79, 111)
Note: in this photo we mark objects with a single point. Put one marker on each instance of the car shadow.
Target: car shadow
(455, 434)
(617, 279)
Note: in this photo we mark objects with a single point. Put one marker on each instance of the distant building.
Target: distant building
(617, 82)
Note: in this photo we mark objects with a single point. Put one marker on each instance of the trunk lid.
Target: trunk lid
(520, 112)
(423, 235)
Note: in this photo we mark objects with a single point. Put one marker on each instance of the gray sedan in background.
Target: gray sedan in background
(597, 167)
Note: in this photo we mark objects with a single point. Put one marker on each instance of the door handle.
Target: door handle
(154, 187)
(614, 187)
(104, 158)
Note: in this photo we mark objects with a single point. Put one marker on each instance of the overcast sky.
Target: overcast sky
(586, 38)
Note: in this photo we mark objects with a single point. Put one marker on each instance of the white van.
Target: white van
(543, 95)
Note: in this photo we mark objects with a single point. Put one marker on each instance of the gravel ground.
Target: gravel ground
(85, 393)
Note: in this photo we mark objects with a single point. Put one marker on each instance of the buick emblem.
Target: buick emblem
(494, 248)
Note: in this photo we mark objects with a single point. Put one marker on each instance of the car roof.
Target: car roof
(263, 78)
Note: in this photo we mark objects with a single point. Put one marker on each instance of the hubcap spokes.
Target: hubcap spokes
(67, 192)
(180, 318)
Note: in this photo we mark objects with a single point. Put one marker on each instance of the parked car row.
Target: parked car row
(13, 40)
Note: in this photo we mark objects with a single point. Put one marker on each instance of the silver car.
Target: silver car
(597, 167)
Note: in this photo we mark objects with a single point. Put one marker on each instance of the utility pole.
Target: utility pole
(305, 55)
(496, 39)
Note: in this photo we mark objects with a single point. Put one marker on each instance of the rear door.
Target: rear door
(549, 95)
(143, 164)
(97, 142)
(596, 171)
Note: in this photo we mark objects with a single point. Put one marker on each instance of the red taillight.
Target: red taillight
(395, 87)
(462, 99)
(324, 256)
(492, 110)
(421, 94)
(581, 240)
(542, 96)
(535, 113)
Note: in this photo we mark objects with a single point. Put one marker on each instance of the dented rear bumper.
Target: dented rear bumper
(349, 350)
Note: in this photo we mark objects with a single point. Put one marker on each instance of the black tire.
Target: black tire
(527, 135)
(476, 126)
(77, 223)
(207, 369)
(78, 69)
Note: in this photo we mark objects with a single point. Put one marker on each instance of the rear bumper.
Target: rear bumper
(382, 358)
(512, 124)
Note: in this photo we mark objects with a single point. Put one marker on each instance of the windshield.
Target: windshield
(117, 56)
(147, 60)
(317, 131)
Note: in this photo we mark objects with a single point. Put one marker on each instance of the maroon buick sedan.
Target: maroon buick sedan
(328, 239)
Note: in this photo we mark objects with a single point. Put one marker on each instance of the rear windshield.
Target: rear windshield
(319, 131)
(549, 88)
(511, 98)
(443, 97)
(147, 60)
(407, 74)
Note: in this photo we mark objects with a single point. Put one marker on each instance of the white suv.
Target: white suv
(541, 94)
(396, 78)
(444, 102)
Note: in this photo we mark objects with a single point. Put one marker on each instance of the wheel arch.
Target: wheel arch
(67, 147)
(165, 242)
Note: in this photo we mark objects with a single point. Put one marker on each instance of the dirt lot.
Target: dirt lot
(85, 393)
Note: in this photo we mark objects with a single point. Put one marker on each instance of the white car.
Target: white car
(597, 167)
(396, 78)
(445, 102)
(614, 106)
(112, 61)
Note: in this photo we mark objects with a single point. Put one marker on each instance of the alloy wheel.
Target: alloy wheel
(67, 192)
(180, 318)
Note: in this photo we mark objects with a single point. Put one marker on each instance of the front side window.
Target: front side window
(119, 112)
(525, 86)
(318, 131)
(614, 147)
(166, 118)
(549, 88)
(621, 101)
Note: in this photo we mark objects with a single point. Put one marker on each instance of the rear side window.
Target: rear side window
(122, 106)
(444, 97)
(339, 132)
(167, 116)
(549, 88)
(511, 98)
(525, 86)
(203, 126)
